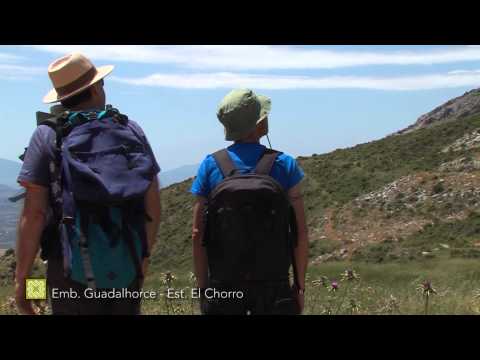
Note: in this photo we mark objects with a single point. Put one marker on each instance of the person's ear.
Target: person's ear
(265, 125)
(97, 88)
(94, 90)
(262, 128)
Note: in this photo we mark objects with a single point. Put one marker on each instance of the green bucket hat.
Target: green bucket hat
(240, 112)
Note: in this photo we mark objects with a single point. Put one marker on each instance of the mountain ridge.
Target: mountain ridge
(177, 175)
(460, 107)
(9, 171)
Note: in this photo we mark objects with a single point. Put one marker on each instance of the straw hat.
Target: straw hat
(71, 75)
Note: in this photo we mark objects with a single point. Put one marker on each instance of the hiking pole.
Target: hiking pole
(17, 197)
(269, 142)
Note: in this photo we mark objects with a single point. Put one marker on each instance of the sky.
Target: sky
(323, 97)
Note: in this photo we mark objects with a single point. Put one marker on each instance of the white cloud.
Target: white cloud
(261, 57)
(19, 72)
(280, 82)
(10, 70)
(5, 57)
(455, 72)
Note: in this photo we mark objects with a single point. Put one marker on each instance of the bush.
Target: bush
(438, 188)
(465, 253)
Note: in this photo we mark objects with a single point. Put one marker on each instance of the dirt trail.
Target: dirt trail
(330, 233)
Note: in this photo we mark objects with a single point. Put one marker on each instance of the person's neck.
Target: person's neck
(88, 107)
(251, 139)
(248, 141)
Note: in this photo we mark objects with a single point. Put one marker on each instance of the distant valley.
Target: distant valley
(8, 173)
(177, 175)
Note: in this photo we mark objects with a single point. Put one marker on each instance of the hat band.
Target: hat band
(78, 83)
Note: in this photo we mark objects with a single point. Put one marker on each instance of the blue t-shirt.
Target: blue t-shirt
(245, 157)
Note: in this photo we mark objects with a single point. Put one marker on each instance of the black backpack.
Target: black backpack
(250, 225)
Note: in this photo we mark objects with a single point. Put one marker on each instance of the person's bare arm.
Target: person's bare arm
(30, 227)
(153, 208)
(199, 253)
(301, 251)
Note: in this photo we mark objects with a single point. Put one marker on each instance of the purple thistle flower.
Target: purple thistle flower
(334, 286)
(427, 289)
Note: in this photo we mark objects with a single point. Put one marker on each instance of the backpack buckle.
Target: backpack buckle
(67, 220)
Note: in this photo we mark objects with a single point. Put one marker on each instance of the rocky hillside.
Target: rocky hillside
(459, 108)
(7, 267)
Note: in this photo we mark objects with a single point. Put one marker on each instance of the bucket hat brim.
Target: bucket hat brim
(266, 107)
(53, 97)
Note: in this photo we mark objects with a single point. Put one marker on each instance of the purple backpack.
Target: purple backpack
(105, 171)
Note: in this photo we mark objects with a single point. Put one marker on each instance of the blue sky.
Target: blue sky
(323, 97)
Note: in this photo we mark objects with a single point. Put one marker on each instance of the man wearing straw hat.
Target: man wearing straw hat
(242, 241)
(78, 87)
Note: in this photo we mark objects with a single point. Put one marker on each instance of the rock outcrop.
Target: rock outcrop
(463, 106)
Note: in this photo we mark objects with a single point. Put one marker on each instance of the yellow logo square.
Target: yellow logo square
(36, 289)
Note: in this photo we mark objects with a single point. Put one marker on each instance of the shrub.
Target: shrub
(438, 188)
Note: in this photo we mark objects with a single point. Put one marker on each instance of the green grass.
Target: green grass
(382, 289)
(457, 282)
(392, 288)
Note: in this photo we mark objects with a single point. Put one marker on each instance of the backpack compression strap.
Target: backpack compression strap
(225, 163)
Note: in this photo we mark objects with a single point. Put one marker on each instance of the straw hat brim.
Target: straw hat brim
(102, 72)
